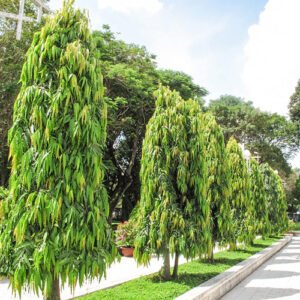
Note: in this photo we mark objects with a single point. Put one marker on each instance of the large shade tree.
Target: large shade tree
(277, 204)
(273, 137)
(55, 227)
(174, 213)
(242, 227)
(130, 78)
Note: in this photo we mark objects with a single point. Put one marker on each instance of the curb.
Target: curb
(219, 285)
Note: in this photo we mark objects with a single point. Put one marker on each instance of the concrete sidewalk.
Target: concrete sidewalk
(278, 278)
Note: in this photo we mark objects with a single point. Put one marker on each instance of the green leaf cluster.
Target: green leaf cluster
(259, 199)
(219, 180)
(242, 227)
(55, 226)
(174, 211)
(273, 137)
(276, 200)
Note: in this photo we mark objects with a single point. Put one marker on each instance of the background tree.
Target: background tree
(259, 200)
(271, 136)
(292, 190)
(277, 205)
(242, 227)
(219, 187)
(294, 105)
(130, 78)
(12, 57)
(174, 213)
(55, 226)
(183, 83)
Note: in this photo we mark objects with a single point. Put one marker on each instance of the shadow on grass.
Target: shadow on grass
(188, 279)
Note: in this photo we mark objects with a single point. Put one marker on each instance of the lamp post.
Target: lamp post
(247, 156)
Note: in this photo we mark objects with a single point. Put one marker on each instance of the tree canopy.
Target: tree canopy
(294, 104)
(183, 83)
(259, 199)
(219, 181)
(12, 57)
(277, 204)
(242, 227)
(268, 135)
(174, 213)
(55, 226)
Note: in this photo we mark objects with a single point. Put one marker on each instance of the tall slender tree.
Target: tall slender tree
(259, 199)
(240, 199)
(277, 204)
(174, 213)
(219, 188)
(56, 226)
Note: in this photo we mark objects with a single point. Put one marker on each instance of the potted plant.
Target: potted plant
(125, 235)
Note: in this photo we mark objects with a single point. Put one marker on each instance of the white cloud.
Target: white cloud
(272, 56)
(128, 6)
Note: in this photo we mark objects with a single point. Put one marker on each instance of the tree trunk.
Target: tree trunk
(4, 171)
(210, 255)
(165, 271)
(55, 293)
(175, 270)
(232, 246)
(124, 181)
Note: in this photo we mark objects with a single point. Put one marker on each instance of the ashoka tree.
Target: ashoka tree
(56, 225)
(174, 212)
(242, 228)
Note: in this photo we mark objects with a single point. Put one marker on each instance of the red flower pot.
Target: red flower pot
(126, 251)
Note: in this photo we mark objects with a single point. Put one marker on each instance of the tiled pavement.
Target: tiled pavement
(278, 278)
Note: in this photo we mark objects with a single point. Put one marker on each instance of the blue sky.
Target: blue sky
(247, 48)
(202, 38)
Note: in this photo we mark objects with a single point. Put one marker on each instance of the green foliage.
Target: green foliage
(183, 84)
(295, 202)
(174, 213)
(294, 105)
(296, 226)
(219, 180)
(271, 136)
(259, 199)
(292, 190)
(240, 198)
(56, 223)
(277, 204)
(126, 233)
(3, 193)
(12, 57)
(130, 78)
(3, 197)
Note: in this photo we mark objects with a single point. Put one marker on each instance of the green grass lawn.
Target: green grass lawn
(296, 226)
(190, 275)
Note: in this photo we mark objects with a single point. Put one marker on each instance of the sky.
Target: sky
(246, 48)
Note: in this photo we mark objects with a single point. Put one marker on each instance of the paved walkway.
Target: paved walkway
(278, 278)
(119, 272)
